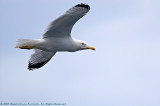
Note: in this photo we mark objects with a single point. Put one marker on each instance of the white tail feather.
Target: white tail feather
(26, 43)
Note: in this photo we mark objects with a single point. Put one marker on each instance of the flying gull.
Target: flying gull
(56, 38)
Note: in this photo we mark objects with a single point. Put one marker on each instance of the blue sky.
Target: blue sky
(123, 71)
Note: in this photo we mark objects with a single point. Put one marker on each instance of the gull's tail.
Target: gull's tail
(26, 43)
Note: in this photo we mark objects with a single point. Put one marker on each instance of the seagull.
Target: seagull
(57, 38)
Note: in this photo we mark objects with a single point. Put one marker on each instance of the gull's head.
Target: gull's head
(82, 45)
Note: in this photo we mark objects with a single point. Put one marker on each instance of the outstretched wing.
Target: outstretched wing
(62, 26)
(39, 58)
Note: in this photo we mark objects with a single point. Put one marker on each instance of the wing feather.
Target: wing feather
(62, 26)
(39, 58)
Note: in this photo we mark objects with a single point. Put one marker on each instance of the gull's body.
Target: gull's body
(57, 38)
(57, 44)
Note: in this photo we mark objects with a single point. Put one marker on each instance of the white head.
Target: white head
(81, 45)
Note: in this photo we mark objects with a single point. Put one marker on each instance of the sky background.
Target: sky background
(123, 71)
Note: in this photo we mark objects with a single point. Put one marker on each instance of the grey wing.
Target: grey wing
(62, 26)
(39, 58)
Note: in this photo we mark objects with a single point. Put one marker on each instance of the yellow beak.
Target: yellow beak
(89, 47)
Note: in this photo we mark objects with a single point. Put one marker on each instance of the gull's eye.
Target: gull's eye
(83, 43)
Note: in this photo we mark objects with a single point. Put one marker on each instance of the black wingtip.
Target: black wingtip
(83, 5)
(31, 66)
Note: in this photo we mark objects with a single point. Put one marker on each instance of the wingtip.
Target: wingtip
(32, 66)
(83, 5)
